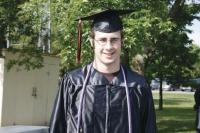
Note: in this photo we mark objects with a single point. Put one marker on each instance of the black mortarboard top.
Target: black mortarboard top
(106, 21)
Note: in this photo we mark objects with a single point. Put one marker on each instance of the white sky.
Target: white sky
(195, 35)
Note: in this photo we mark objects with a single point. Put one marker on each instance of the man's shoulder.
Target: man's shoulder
(75, 72)
(77, 75)
(135, 77)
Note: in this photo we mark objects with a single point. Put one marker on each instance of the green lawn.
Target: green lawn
(178, 115)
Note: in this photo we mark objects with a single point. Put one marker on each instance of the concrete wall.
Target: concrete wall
(1, 84)
(28, 96)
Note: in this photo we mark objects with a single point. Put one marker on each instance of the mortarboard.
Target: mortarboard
(106, 21)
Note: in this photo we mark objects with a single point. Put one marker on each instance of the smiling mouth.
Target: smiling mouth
(108, 54)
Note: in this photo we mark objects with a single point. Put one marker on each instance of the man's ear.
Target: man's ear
(91, 42)
(122, 42)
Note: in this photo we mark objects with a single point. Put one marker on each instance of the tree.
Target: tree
(13, 28)
(156, 30)
(8, 9)
(195, 73)
(171, 57)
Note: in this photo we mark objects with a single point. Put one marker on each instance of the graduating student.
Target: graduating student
(104, 96)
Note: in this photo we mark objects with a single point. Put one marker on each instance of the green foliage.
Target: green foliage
(196, 67)
(8, 9)
(19, 25)
(168, 52)
(28, 57)
(143, 31)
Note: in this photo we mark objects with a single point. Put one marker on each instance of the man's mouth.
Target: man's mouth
(109, 54)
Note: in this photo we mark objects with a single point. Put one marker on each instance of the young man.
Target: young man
(104, 96)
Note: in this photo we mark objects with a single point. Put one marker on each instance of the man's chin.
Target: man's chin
(109, 62)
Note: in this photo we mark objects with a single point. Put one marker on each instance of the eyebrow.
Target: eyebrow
(110, 38)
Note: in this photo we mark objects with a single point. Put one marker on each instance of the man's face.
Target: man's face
(107, 47)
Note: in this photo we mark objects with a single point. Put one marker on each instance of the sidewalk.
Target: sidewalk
(24, 129)
(180, 92)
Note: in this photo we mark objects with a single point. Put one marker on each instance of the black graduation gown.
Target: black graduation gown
(104, 105)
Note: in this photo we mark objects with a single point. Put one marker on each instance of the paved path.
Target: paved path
(181, 92)
(24, 129)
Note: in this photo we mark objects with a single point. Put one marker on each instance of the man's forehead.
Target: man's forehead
(116, 34)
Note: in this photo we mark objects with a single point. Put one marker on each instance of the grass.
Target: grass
(178, 115)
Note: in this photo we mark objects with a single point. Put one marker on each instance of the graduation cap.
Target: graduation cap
(106, 21)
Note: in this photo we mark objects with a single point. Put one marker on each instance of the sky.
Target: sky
(195, 35)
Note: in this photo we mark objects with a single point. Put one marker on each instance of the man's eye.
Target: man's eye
(102, 40)
(115, 40)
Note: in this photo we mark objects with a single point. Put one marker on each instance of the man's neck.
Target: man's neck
(105, 68)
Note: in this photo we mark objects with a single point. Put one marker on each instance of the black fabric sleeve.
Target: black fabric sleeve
(58, 122)
(149, 119)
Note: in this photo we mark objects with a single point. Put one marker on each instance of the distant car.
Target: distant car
(196, 80)
(155, 84)
(175, 88)
(166, 86)
(188, 88)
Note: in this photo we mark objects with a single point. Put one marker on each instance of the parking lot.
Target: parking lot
(155, 85)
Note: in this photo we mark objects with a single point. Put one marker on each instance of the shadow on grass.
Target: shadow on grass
(171, 101)
(172, 120)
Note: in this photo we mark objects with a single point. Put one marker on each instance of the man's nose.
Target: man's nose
(108, 44)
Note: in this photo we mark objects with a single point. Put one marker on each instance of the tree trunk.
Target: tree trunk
(160, 95)
(2, 44)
